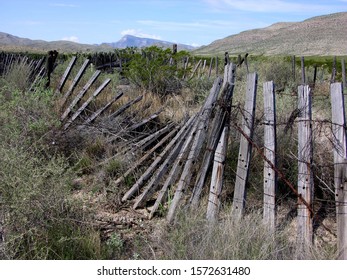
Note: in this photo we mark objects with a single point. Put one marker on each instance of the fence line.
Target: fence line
(206, 135)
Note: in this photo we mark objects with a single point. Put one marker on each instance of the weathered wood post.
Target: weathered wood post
(80, 95)
(210, 69)
(226, 58)
(303, 76)
(75, 81)
(305, 175)
(339, 137)
(186, 61)
(52, 56)
(199, 138)
(270, 176)
(196, 68)
(217, 72)
(343, 66)
(293, 68)
(221, 117)
(333, 71)
(315, 75)
(87, 102)
(66, 74)
(217, 176)
(174, 49)
(245, 150)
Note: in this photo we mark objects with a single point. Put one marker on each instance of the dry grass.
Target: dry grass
(192, 237)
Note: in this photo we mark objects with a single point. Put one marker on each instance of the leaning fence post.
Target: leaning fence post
(305, 175)
(245, 147)
(270, 176)
(339, 138)
(66, 74)
(199, 138)
(75, 81)
(217, 176)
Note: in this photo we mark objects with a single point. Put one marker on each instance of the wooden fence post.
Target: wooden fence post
(339, 138)
(217, 72)
(80, 95)
(75, 81)
(217, 176)
(86, 103)
(245, 147)
(66, 74)
(343, 65)
(303, 76)
(199, 138)
(293, 68)
(333, 71)
(305, 173)
(270, 176)
(210, 69)
(221, 116)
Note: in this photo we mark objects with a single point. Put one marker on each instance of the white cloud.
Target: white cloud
(139, 33)
(198, 25)
(71, 39)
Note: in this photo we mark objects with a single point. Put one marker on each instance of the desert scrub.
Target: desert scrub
(151, 70)
(39, 217)
(41, 220)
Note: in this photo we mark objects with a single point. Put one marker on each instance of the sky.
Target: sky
(193, 22)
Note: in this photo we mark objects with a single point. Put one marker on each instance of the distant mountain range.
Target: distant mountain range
(10, 42)
(322, 35)
(133, 41)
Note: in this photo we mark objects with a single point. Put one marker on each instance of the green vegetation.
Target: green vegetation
(40, 217)
(151, 70)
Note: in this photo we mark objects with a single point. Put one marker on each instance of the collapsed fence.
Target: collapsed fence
(197, 149)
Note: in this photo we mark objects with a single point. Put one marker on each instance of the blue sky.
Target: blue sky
(195, 22)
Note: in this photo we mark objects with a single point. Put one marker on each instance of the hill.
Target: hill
(10, 42)
(133, 41)
(322, 35)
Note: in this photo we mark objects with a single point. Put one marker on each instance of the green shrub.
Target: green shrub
(151, 71)
(39, 217)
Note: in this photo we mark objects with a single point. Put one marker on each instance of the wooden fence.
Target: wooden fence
(189, 153)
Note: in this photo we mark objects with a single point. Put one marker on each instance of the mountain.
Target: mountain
(322, 35)
(133, 41)
(10, 42)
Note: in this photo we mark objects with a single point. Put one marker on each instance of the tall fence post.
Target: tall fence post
(339, 137)
(343, 65)
(270, 176)
(293, 68)
(305, 176)
(303, 76)
(245, 147)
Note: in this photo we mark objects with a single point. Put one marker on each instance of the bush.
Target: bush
(151, 71)
(39, 217)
